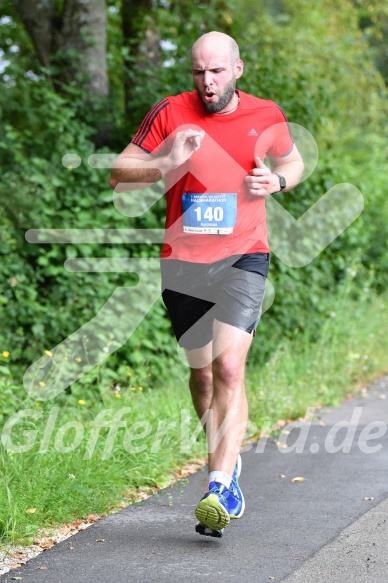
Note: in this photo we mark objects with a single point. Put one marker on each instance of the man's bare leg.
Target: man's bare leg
(229, 407)
(201, 378)
(218, 392)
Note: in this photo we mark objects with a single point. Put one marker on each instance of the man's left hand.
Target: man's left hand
(260, 181)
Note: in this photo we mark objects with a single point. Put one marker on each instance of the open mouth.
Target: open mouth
(209, 95)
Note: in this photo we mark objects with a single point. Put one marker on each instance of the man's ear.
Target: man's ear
(238, 68)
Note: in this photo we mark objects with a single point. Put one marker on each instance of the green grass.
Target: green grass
(351, 349)
(103, 469)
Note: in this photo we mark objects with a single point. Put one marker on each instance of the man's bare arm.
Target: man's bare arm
(290, 166)
(134, 168)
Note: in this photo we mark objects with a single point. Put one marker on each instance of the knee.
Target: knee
(201, 380)
(229, 371)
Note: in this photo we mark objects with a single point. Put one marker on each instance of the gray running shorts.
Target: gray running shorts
(230, 290)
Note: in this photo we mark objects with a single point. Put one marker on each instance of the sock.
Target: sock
(220, 477)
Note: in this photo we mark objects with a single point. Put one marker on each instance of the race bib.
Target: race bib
(210, 213)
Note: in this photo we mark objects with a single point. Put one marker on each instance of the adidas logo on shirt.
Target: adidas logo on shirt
(253, 132)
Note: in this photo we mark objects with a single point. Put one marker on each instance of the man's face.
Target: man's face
(215, 76)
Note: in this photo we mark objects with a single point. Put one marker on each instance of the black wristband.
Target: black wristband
(282, 181)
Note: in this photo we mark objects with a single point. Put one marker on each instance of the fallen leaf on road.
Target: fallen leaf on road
(369, 498)
(46, 545)
(100, 540)
(282, 476)
(297, 479)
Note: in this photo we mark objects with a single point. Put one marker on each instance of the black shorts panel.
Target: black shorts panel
(230, 290)
(188, 313)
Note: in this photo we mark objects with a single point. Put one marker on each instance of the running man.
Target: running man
(209, 144)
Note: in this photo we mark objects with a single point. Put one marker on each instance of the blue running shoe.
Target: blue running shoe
(212, 511)
(236, 502)
(237, 469)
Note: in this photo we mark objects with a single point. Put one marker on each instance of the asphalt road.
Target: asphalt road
(330, 527)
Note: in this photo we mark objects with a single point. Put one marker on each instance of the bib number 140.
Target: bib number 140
(210, 214)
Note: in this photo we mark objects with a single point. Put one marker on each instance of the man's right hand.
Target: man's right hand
(134, 168)
(184, 146)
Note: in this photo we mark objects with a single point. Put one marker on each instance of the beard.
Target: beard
(223, 100)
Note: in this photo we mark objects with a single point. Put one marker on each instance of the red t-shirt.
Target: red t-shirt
(227, 154)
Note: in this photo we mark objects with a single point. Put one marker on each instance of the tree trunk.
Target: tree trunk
(38, 19)
(73, 36)
(84, 30)
(142, 39)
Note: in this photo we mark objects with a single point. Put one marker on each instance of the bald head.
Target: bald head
(216, 42)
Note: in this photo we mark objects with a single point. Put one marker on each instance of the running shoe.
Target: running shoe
(212, 510)
(237, 468)
(236, 502)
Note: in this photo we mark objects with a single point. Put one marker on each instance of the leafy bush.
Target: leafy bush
(318, 68)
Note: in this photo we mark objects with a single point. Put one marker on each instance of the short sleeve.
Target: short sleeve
(152, 132)
(282, 142)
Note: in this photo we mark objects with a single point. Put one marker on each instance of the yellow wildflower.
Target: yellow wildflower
(48, 352)
(129, 374)
(78, 359)
(6, 354)
(42, 384)
(118, 396)
(81, 402)
(140, 388)
(133, 388)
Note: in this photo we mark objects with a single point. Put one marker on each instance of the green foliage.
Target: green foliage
(373, 21)
(314, 61)
(41, 302)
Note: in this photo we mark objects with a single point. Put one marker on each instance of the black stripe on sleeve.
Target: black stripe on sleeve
(144, 122)
(146, 125)
(287, 122)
